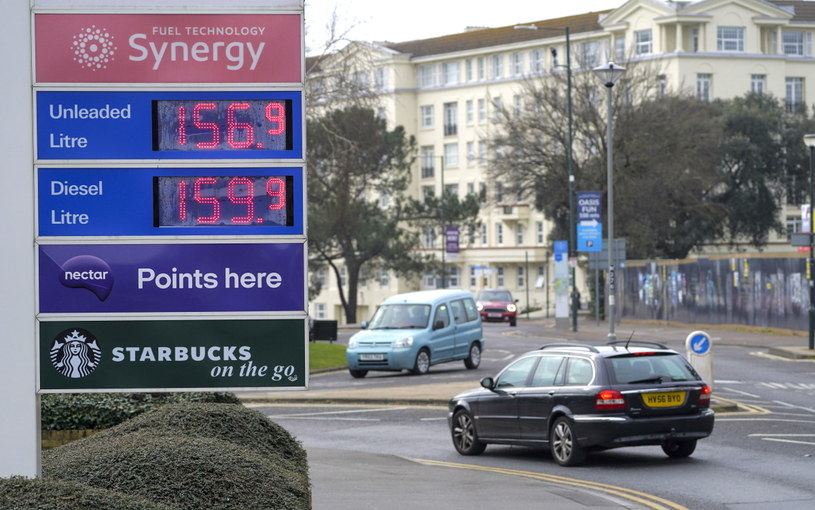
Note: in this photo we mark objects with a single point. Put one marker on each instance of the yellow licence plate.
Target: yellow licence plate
(672, 399)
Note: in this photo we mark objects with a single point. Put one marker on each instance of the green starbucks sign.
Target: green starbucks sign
(171, 355)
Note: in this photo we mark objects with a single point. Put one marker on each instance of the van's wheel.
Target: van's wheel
(474, 358)
(513, 322)
(358, 374)
(422, 364)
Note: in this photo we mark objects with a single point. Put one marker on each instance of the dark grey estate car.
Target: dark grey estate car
(574, 398)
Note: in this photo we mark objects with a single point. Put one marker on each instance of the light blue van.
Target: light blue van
(415, 330)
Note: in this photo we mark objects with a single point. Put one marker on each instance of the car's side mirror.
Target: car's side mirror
(438, 325)
(363, 324)
(488, 383)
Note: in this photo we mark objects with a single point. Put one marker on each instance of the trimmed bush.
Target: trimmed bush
(227, 422)
(182, 471)
(104, 410)
(23, 493)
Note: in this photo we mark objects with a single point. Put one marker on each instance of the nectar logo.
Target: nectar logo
(75, 353)
(93, 48)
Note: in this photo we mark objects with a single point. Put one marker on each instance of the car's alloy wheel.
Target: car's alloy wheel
(465, 438)
(422, 364)
(679, 449)
(474, 359)
(563, 444)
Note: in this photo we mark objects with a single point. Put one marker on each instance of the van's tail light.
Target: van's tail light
(609, 399)
(704, 396)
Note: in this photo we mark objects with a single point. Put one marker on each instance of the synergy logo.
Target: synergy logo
(87, 272)
(75, 353)
(93, 48)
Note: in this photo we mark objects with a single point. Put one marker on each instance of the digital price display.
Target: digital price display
(222, 125)
(204, 201)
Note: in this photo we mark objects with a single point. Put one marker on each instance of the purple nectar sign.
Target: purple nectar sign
(122, 278)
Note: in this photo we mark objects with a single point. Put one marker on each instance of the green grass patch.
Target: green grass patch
(326, 355)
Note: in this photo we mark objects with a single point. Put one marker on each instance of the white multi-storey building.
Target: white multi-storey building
(446, 91)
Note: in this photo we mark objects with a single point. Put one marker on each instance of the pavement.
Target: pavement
(343, 479)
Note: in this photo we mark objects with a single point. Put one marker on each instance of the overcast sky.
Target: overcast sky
(398, 21)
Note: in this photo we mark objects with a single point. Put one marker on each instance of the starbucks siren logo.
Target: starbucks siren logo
(93, 48)
(75, 353)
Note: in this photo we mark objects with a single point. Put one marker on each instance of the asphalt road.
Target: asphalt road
(762, 456)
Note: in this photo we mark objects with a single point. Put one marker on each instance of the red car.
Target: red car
(497, 305)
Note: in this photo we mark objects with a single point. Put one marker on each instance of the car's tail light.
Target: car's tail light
(704, 396)
(609, 399)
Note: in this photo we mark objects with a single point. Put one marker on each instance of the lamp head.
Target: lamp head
(609, 73)
(809, 141)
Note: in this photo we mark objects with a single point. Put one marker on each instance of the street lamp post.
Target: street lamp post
(609, 74)
(809, 140)
(572, 225)
(443, 230)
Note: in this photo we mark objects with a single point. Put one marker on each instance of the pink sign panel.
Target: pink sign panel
(168, 48)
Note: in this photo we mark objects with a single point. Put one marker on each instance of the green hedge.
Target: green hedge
(104, 410)
(38, 494)
(191, 456)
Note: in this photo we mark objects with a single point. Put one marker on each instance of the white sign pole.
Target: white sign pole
(20, 429)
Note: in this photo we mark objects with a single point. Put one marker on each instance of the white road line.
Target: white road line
(348, 411)
(792, 406)
(742, 393)
(787, 441)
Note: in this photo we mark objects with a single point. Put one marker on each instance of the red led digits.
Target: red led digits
(196, 195)
(182, 125)
(233, 126)
(182, 200)
(275, 112)
(210, 126)
(279, 193)
(248, 198)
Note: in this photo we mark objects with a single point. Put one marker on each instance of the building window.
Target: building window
(517, 63)
(450, 119)
(758, 83)
(694, 40)
(451, 154)
(384, 278)
(496, 66)
(426, 114)
(497, 109)
(428, 160)
(794, 224)
(499, 276)
(482, 152)
(320, 311)
(499, 234)
(536, 61)
(589, 54)
(539, 232)
(429, 280)
(730, 38)
(482, 68)
(469, 112)
(483, 234)
(704, 83)
(468, 70)
(429, 238)
(342, 277)
(519, 234)
(797, 43)
(499, 192)
(471, 155)
(473, 277)
(322, 276)
(427, 76)
(521, 277)
(449, 73)
(662, 85)
(381, 78)
(482, 192)
(482, 111)
(619, 48)
(644, 45)
(428, 192)
(795, 94)
(454, 276)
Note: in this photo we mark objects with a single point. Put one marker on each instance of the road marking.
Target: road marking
(745, 409)
(779, 440)
(649, 500)
(348, 411)
(781, 358)
(793, 406)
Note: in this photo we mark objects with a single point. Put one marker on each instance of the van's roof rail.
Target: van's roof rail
(646, 343)
(566, 345)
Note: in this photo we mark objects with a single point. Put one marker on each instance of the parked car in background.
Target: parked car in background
(415, 330)
(497, 305)
(574, 398)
